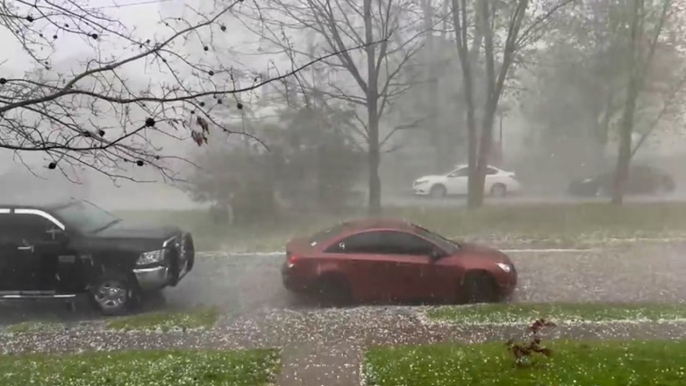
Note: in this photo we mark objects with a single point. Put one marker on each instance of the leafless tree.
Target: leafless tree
(639, 57)
(369, 80)
(97, 114)
(486, 20)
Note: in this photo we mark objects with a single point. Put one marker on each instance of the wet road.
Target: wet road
(649, 273)
(243, 284)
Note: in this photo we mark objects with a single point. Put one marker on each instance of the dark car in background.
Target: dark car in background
(387, 260)
(70, 248)
(642, 180)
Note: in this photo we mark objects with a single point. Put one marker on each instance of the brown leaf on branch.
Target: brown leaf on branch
(198, 137)
(203, 125)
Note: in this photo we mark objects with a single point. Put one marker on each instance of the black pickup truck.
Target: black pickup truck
(67, 249)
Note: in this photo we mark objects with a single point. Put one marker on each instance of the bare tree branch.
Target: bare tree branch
(98, 113)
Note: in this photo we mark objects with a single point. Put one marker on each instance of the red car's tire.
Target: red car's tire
(478, 287)
(334, 290)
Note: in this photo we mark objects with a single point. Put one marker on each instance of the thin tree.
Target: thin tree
(390, 34)
(482, 19)
(639, 61)
(97, 114)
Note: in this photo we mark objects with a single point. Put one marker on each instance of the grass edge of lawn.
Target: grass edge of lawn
(165, 321)
(550, 225)
(526, 313)
(505, 243)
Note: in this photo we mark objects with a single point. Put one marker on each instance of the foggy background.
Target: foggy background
(544, 168)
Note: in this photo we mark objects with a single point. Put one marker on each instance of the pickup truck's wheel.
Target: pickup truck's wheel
(174, 268)
(189, 250)
(113, 294)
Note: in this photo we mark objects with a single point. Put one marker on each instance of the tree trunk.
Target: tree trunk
(666, 6)
(485, 144)
(374, 159)
(436, 129)
(603, 132)
(460, 24)
(486, 139)
(474, 197)
(494, 86)
(627, 125)
(473, 200)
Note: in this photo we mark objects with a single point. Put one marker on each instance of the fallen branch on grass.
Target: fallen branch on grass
(524, 352)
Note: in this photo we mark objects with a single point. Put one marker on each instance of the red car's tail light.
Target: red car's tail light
(291, 259)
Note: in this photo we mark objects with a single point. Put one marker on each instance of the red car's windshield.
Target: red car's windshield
(445, 244)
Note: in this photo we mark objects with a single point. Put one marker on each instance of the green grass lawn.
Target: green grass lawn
(527, 313)
(639, 363)
(544, 224)
(142, 368)
(165, 321)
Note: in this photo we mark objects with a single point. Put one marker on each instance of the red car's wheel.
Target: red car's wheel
(479, 287)
(334, 290)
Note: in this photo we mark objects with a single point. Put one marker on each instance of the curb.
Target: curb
(608, 243)
(224, 254)
(549, 250)
(560, 322)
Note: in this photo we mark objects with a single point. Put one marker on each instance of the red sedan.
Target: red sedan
(381, 260)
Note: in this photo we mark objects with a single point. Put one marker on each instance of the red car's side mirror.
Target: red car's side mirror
(435, 255)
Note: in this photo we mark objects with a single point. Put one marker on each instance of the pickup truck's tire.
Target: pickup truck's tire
(174, 268)
(190, 250)
(113, 293)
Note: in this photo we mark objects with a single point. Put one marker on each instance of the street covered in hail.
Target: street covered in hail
(346, 193)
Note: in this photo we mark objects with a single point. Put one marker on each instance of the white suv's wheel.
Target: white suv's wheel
(438, 191)
(499, 190)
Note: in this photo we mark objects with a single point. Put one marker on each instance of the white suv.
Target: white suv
(498, 183)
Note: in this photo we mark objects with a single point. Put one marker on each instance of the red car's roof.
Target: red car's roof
(377, 222)
(350, 227)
